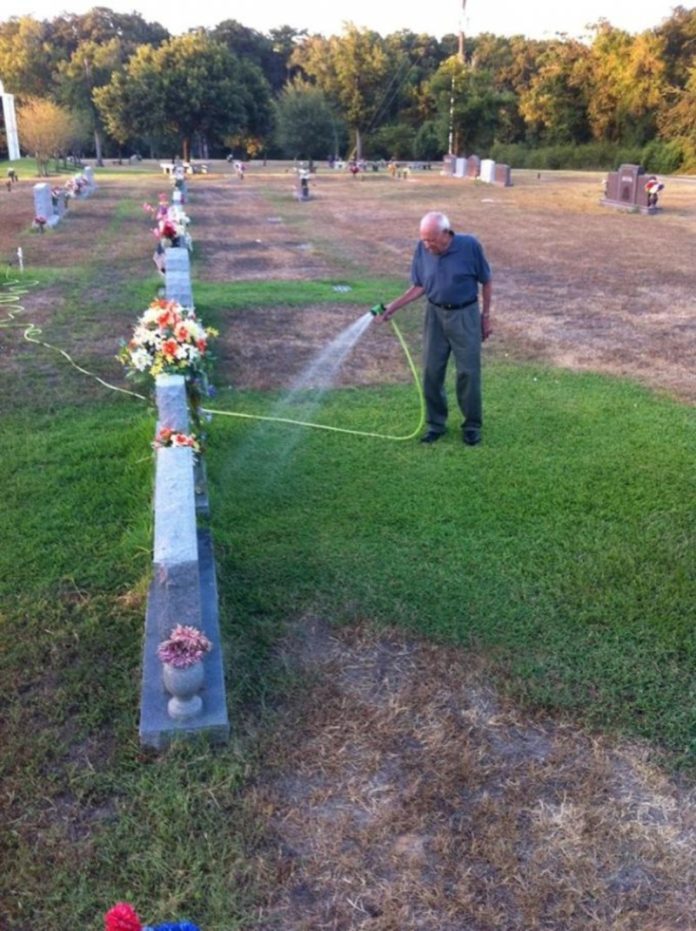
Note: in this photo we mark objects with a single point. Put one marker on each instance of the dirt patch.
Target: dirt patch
(403, 793)
(576, 284)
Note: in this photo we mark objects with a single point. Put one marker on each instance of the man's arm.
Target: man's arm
(413, 293)
(486, 326)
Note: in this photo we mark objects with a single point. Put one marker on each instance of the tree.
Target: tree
(102, 25)
(627, 84)
(27, 57)
(353, 70)
(270, 53)
(468, 102)
(47, 130)
(305, 125)
(554, 106)
(132, 105)
(91, 66)
(679, 34)
(191, 86)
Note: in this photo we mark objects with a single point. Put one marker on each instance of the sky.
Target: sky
(540, 19)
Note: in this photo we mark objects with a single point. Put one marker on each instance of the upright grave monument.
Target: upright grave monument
(627, 189)
(502, 176)
(43, 205)
(487, 170)
(473, 167)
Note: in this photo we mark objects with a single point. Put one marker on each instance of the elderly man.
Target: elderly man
(448, 268)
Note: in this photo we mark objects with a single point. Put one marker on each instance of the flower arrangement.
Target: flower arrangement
(185, 646)
(167, 339)
(76, 185)
(167, 437)
(123, 917)
(39, 223)
(171, 229)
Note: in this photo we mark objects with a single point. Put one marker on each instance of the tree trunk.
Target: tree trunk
(98, 148)
(358, 144)
(186, 148)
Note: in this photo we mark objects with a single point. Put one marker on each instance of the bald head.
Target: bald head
(435, 233)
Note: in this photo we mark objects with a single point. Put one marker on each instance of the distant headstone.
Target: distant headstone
(302, 185)
(88, 172)
(487, 170)
(60, 203)
(502, 176)
(449, 165)
(626, 188)
(177, 275)
(43, 204)
(460, 168)
(473, 166)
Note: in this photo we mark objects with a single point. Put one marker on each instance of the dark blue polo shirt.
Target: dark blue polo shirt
(454, 276)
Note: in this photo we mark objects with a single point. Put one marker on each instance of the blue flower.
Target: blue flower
(176, 926)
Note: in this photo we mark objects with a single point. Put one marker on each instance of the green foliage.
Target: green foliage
(663, 157)
(395, 140)
(305, 124)
(620, 88)
(656, 157)
(429, 143)
(354, 71)
(191, 84)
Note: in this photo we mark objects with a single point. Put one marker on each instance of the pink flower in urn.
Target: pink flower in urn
(185, 646)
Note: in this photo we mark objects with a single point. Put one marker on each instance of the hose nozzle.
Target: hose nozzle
(377, 310)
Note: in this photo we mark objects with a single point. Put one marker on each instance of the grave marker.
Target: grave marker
(184, 586)
(487, 170)
(88, 172)
(43, 204)
(625, 189)
(177, 275)
(473, 166)
(502, 176)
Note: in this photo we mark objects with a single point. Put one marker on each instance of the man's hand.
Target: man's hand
(486, 327)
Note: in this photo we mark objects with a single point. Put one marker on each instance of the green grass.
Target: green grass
(551, 545)
(551, 548)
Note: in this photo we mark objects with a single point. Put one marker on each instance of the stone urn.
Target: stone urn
(183, 684)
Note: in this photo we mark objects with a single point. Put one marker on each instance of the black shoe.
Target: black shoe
(471, 436)
(431, 437)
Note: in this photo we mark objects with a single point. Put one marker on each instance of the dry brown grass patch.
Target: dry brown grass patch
(403, 793)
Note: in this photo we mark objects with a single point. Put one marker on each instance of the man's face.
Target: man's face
(435, 241)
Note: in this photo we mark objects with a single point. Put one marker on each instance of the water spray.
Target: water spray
(14, 291)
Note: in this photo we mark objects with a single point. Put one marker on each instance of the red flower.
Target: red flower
(169, 347)
(122, 917)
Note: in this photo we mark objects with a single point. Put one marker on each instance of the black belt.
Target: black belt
(454, 306)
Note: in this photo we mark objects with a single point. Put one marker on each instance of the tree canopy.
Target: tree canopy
(135, 85)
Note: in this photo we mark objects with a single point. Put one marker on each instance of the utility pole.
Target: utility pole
(460, 58)
(460, 52)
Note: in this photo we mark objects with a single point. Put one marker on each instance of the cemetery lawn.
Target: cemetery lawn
(461, 681)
